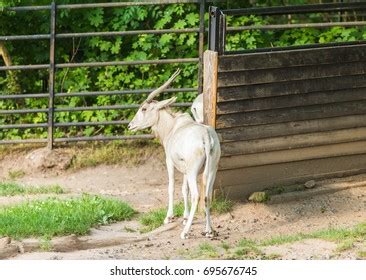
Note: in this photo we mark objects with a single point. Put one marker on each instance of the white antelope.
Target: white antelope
(197, 108)
(189, 146)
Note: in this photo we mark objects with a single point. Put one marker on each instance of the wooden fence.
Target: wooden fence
(287, 116)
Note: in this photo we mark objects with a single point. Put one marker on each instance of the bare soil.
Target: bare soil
(144, 187)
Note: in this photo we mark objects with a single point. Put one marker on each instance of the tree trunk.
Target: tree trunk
(13, 84)
(5, 54)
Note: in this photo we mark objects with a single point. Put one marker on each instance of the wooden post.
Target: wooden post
(210, 68)
(210, 65)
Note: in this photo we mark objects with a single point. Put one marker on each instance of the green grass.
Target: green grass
(224, 245)
(332, 234)
(11, 151)
(126, 153)
(155, 218)
(55, 217)
(345, 245)
(361, 254)
(222, 205)
(207, 250)
(252, 249)
(15, 174)
(11, 189)
(244, 249)
(247, 249)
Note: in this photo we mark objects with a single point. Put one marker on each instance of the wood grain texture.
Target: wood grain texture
(288, 58)
(260, 177)
(210, 60)
(292, 155)
(296, 73)
(291, 114)
(293, 141)
(288, 101)
(290, 128)
(290, 88)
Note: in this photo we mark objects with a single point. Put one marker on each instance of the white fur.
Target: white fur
(189, 148)
(197, 108)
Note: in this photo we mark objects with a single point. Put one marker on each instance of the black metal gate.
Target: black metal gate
(52, 67)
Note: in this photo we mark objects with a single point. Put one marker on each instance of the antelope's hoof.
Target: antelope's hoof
(184, 235)
(168, 220)
(210, 234)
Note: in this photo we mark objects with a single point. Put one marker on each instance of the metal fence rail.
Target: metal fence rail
(53, 67)
(218, 27)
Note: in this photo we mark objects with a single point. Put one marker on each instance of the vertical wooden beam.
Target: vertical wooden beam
(210, 66)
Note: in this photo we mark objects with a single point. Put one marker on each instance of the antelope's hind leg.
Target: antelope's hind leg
(185, 199)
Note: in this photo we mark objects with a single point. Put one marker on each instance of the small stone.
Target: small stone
(259, 197)
(4, 242)
(310, 184)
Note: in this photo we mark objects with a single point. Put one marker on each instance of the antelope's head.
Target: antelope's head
(148, 113)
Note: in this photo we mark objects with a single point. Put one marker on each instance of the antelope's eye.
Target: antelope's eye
(143, 109)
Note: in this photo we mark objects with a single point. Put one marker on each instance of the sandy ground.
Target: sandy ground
(145, 186)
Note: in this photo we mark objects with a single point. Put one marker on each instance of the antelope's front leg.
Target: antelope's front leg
(170, 213)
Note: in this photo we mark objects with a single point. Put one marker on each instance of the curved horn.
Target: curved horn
(156, 92)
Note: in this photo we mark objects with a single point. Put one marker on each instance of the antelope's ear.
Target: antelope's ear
(166, 103)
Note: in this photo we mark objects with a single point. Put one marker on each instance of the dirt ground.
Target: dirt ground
(144, 187)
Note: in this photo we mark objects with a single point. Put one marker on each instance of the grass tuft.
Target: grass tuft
(55, 217)
(15, 174)
(155, 218)
(345, 245)
(222, 205)
(224, 245)
(248, 249)
(361, 254)
(207, 250)
(332, 234)
(283, 239)
(11, 189)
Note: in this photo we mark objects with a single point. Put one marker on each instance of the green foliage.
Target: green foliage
(126, 48)
(53, 217)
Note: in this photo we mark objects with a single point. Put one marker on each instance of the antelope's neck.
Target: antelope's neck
(164, 126)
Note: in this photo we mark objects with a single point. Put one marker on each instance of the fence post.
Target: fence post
(201, 45)
(217, 30)
(51, 84)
